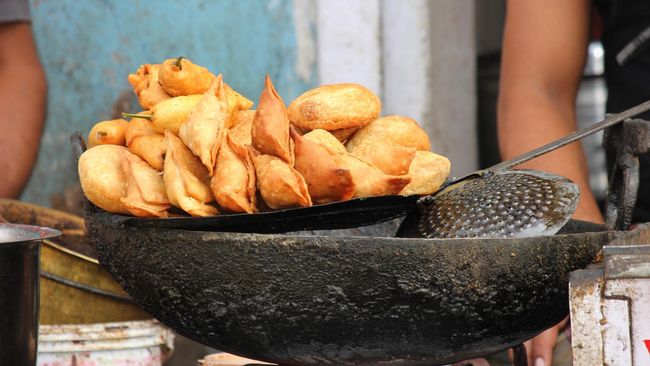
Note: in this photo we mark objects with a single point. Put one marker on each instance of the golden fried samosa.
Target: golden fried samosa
(326, 139)
(143, 140)
(180, 76)
(333, 107)
(343, 134)
(391, 130)
(172, 113)
(233, 183)
(203, 131)
(241, 131)
(270, 131)
(392, 160)
(428, 172)
(236, 102)
(326, 181)
(370, 180)
(146, 86)
(102, 178)
(145, 194)
(108, 132)
(186, 180)
(279, 184)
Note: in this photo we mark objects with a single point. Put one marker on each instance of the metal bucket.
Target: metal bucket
(136, 343)
(19, 274)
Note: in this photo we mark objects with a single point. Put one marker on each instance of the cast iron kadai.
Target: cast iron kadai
(495, 202)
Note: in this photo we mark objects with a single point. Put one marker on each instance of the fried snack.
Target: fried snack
(391, 130)
(233, 183)
(326, 139)
(186, 180)
(343, 134)
(392, 160)
(172, 113)
(102, 178)
(146, 86)
(179, 76)
(205, 126)
(428, 172)
(144, 141)
(236, 102)
(326, 181)
(333, 107)
(241, 131)
(108, 132)
(270, 130)
(145, 193)
(370, 180)
(279, 184)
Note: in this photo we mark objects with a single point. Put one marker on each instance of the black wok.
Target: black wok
(302, 300)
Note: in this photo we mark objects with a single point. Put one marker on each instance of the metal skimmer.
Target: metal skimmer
(497, 202)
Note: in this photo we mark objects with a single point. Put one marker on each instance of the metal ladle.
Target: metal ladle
(498, 202)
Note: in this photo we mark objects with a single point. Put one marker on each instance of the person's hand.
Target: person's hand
(540, 349)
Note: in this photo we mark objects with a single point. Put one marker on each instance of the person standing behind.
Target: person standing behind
(544, 51)
(23, 91)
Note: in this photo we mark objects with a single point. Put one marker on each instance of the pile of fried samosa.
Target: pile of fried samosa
(198, 147)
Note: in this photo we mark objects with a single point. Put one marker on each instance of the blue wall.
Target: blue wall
(88, 47)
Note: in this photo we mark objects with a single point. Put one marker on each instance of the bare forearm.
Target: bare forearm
(529, 120)
(22, 102)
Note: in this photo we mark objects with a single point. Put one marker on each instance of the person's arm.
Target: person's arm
(544, 50)
(23, 92)
(543, 57)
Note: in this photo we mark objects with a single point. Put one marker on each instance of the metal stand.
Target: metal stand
(519, 356)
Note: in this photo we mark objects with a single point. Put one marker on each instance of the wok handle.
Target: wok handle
(519, 356)
(575, 136)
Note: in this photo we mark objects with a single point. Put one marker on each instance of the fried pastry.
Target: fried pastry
(326, 180)
(334, 107)
(370, 180)
(233, 183)
(145, 193)
(172, 113)
(392, 160)
(204, 128)
(143, 140)
(324, 138)
(279, 184)
(270, 130)
(428, 172)
(180, 76)
(146, 86)
(102, 178)
(391, 130)
(186, 180)
(108, 132)
(241, 131)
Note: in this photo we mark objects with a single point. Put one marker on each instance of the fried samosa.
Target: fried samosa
(203, 131)
(392, 160)
(186, 180)
(233, 183)
(428, 172)
(102, 178)
(145, 193)
(180, 76)
(279, 184)
(146, 86)
(108, 132)
(324, 138)
(236, 102)
(343, 134)
(270, 130)
(333, 107)
(143, 140)
(241, 131)
(391, 130)
(326, 181)
(370, 180)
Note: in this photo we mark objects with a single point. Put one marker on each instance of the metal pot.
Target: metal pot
(19, 274)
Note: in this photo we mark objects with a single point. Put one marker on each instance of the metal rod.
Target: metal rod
(575, 136)
(83, 287)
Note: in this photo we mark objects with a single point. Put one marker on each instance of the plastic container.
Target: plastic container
(135, 343)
